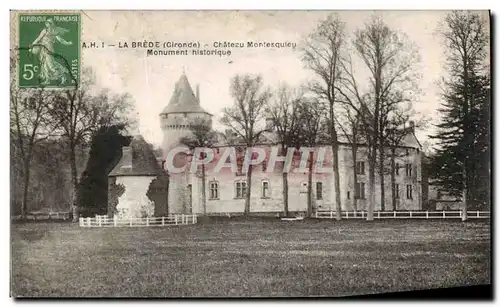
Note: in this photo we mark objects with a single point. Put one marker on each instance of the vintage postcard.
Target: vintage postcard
(165, 154)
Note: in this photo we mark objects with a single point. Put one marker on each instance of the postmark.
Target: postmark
(49, 50)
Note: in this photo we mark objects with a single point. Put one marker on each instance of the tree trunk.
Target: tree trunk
(249, 191)
(203, 190)
(464, 194)
(382, 179)
(354, 150)
(393, 179)
(168, 191)
(336, 175)
(74, 181)
(309, 185)
(371, 186)
(285, 194)
(26, 181)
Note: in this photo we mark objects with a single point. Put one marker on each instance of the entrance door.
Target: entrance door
(189, 208)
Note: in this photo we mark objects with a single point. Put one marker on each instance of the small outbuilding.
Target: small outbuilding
(137, 185)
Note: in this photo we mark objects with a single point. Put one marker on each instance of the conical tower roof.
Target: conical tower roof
(183, 99)
(138, 159)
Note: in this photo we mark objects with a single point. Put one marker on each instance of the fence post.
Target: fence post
(80, 221)
(444, 214)
(410, 214)
(194, 219)
(88, 221)
(477, 213)
(362, 214)
(163, 221)
(394, 213)
(427, 214)
(347, 215)
(175, 219)
(316, 214)
(331, 214)
(378, 214)
(99, 223)
(114, 220)
(147, 220)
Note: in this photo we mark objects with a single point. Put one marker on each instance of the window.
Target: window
(214, 190)
(319, 190)
(408, 169)
(409, 191)
(360, 190)
(396, 190)
(241, 189)
(239, 165)
(265, 189)
(360, 168)
(397, 168)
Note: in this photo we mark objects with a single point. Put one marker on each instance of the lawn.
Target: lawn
(248, 258)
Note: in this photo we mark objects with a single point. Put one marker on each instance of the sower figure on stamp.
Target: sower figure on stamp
(43, 46)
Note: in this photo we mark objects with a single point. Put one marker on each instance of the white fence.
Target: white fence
(404, 214)
(104, 221)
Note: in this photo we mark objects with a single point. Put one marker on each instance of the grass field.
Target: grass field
(248, 258)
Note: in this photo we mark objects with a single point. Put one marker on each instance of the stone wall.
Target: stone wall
(227, 201)
(134, 202)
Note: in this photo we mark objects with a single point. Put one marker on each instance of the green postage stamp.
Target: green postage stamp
(49, 50)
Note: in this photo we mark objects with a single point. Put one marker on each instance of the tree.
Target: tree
(398, 127)
(79, 113)
(246, 116)
(105, 152)
(282, 111)
(202, 136)
(322, 55)
(350, 124)
(29, 125)
(461, 162)
(389, 59)
(310, 132)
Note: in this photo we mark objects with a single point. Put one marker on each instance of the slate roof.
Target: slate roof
(144, 162)
(183, 99)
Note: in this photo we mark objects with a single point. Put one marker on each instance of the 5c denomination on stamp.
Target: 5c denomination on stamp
(49, 50)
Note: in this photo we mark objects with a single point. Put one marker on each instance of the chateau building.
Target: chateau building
(225, 190)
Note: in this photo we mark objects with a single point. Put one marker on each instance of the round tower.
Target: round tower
(182, 110)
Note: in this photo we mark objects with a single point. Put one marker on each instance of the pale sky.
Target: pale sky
(151, 79)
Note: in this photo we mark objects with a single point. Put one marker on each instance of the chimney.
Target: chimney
(198, 92)
(412, 126)
(126, 157)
